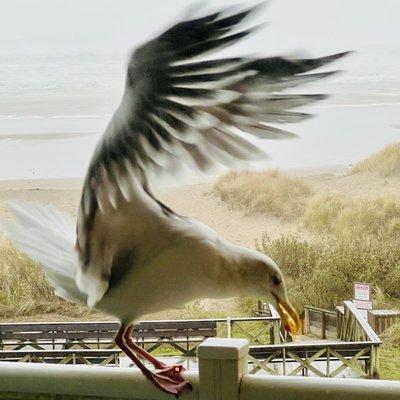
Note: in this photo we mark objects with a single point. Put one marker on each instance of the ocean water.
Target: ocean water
(53, 110)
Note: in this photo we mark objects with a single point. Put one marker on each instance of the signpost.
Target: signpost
(362, 297)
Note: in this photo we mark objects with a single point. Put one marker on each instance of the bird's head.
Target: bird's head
(259, 275)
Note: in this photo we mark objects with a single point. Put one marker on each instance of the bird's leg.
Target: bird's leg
(146, 355)
(171, 371)
(120, 342)
(174, 384)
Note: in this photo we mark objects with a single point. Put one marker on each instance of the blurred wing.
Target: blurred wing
(193, 112)
(177, 110)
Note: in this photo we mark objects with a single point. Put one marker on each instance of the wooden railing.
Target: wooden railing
(93, 343)
(328, 359)
(380, 320)
(272, 328)
(356, 352)
(265, 309)
(222, 375)
(319, 322)
(352, 326)
(261, 335)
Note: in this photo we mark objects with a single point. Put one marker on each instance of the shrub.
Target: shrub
(322, 273)
(391, 336)
(263, 192)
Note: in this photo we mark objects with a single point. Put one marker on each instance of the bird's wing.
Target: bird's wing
(178, 109)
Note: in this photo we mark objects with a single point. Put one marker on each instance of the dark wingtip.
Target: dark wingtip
(237, 17)
(334, 57)
(258, 7)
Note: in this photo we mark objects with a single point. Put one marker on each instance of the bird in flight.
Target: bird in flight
(132, 255)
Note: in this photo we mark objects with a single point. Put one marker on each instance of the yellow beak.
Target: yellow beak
(291, 320)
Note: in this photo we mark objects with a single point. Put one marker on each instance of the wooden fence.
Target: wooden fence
(328, 359)
(222, 375)
(380, 320)
(93, 342)
(319, 322)
(357, 349)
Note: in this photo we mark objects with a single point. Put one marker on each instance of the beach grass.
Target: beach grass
(385, 162)
(263, 192)
(24, 290)
(348, 217)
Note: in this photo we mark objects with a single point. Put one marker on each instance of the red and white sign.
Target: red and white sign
(362, 291)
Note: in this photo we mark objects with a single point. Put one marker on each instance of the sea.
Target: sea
(54, 108)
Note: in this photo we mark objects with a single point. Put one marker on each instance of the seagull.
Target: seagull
(131, 254)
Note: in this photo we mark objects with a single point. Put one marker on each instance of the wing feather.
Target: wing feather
(180, 109)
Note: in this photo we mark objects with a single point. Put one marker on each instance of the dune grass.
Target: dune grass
(385, 162)
(264, 192)
(24, 290)
(353, 217)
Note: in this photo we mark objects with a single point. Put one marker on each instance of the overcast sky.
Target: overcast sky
(113, 26)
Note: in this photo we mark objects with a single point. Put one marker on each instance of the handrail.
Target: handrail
(279, 334)
(309, 345)
(322, 310)
(273, 311)
(144, 321)
(324, 314)
(222, 375)
(257, 387)
(78, 380)
(372, 336)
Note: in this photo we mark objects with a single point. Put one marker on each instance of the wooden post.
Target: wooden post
(306, 321)
(276, 329)
(374, 363)
(222, 362)
(323, 325)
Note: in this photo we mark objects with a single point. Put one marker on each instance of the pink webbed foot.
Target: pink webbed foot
(170, 380)
(166, 378)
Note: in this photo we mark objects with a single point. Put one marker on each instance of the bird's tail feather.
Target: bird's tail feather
(48, 236)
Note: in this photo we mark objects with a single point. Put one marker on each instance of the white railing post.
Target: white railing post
(222, 362)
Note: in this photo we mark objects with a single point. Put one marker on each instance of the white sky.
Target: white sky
(113, 26)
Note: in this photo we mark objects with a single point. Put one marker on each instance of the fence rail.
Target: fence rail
(76, 343)
(319, 322)
(352, 326)
(327, 359)
(382, 319)
(222, 375)
(357, 351)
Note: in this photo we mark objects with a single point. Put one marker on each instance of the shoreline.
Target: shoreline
(76, 183)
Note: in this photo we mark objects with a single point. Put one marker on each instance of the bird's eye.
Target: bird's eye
(276, 280)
